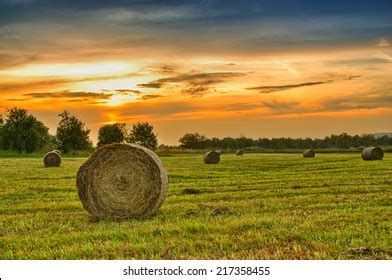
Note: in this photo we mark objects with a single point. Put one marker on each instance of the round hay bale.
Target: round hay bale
(309, 153)
(57, 151)
(122, 181)
(219, 152)
(239, 152)
(52, 159)
(373, 153)
(211, 157)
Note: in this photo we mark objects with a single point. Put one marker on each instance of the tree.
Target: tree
(1, 131)
(111, 133)
(142, 134)
(72, 134)
(192, 141)
(21, 131)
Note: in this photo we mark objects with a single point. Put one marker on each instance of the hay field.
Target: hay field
(261, 206)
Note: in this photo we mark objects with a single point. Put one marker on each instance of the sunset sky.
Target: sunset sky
(266, 68)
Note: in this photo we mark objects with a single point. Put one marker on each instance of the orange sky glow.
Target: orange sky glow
(312, 90)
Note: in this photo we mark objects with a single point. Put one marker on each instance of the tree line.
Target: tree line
(22, 132)
(341, 141)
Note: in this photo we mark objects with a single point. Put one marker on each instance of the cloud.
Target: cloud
(194, 84)
(72, 95)
(280, 106)
(10, 60)
(126, 91)
(150, 85)
(371, 99)
(269, 89)
(161, 109)
(291, 70)
(59, 81)
(158, 14)
(382, 43)
(151, 96)
(385, 56)
(163, 69)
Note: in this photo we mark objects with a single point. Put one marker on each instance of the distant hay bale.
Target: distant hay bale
(309, 153)
(211, 157)
(122, 181)
(239, 152)
(219, 152)
(52, 159)
(57, 151)
(373, 153)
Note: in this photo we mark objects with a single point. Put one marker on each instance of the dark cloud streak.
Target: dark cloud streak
(194, 84)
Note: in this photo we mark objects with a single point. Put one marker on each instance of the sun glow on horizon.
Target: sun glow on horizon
(118, 99)
(71, 69)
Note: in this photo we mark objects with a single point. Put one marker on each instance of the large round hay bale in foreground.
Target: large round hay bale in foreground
(309, 153)
(239, 152)
(52, 159)
(122, 181)
(211, 157)
(373, 153)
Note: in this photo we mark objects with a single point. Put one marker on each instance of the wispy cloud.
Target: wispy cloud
(275, 88)
(194, 84)
(280, 106)
(269, 89)
(382, 43)
(291, 70)
(385, 56)
(74, 95)
(58, 81)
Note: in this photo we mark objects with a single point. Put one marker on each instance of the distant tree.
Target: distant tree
(111, 133)
(21, 131)
(192, 141)
(1, 132)
(72, 135)
(143, 134)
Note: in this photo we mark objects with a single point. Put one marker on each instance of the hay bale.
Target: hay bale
(122, 181)
(211, 157)
(52, 159)
(309, 153)
(57, 151)
(239, 152)
(373, 153)
(219, 152)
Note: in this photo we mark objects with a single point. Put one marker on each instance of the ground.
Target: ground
(256, 206)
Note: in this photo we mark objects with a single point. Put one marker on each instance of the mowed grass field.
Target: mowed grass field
(259, 206)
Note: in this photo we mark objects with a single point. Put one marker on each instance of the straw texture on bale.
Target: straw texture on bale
(122, 181)
(239, 152)
(309, 153)
(52, 159)
(372, 153)
(211, 157)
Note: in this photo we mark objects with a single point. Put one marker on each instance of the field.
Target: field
(259, 206)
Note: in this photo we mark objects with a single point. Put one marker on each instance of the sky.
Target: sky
(266, 68)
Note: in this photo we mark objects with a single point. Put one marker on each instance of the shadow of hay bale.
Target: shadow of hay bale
(221, 210)
(191, 191)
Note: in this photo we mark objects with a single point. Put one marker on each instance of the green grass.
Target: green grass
(279, 206)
